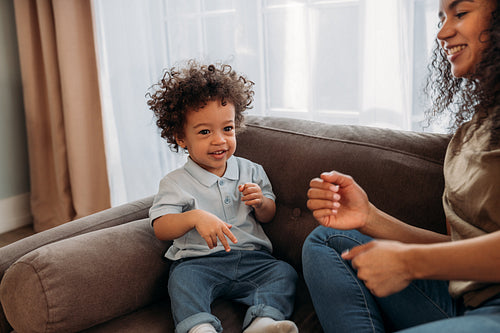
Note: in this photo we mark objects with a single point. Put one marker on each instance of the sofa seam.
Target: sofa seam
(359, 143)
(43, 288)
(106, 222)
(87, 230)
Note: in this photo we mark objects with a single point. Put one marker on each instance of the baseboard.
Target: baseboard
(15, 212)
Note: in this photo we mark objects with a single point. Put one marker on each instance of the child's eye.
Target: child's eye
(461, 14)
(204, 132)
(228, 128)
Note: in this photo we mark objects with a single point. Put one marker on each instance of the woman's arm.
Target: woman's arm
(337, 201)
(475, 259)
(381, 225)
(387, 267)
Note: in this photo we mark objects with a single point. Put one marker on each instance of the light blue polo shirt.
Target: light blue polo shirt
(192, 187)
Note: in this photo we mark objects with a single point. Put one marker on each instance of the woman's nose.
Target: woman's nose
(446, 30)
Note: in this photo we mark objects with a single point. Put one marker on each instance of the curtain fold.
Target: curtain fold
(63, 115)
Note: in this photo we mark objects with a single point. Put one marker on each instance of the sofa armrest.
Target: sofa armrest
(108, 218)
(85, 280)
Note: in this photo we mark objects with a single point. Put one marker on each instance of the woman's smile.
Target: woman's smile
(464, 33)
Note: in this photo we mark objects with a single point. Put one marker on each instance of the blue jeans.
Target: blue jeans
(344, 304)
(254, 278)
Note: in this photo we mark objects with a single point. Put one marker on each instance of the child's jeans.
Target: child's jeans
(344, 304)
(254, 278)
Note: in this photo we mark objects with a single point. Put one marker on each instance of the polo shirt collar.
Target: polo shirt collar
(207, 178)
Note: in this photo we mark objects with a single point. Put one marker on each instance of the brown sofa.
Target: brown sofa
(106, 272)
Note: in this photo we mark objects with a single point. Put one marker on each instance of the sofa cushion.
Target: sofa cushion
(400, 171)
(79, 282)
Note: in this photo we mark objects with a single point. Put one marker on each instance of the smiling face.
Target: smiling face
(464, 32)
(209, 136)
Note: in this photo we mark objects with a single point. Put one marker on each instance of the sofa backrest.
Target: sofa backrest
(400, 171)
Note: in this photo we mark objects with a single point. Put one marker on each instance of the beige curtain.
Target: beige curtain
(61, 96)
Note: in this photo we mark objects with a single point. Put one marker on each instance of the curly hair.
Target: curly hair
(464, 97)
(190, 88)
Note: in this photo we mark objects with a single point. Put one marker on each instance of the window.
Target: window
(337, 61)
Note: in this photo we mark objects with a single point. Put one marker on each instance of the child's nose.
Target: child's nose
(218, 138)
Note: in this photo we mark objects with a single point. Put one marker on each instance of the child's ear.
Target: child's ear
(180, 142)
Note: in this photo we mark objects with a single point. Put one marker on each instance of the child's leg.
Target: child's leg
(269, 325)
(266, 285)
(191, 288)
(203, 328)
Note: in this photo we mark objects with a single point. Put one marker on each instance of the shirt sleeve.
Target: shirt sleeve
(170, 199)
(260, 178)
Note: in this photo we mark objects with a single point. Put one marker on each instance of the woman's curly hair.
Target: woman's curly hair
(465, 97)
(190, 88)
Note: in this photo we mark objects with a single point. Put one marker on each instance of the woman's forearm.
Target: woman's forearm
(475, 259)
(381, 225)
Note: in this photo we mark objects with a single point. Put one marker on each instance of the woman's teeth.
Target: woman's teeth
(455, 49)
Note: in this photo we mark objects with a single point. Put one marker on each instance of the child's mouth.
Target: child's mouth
(218, 153)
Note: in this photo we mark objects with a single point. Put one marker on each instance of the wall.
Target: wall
(14, 171)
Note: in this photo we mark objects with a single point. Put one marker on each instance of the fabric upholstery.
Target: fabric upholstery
(105, 272)
(68, 285)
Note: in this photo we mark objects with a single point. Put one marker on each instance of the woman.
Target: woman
(410, 278)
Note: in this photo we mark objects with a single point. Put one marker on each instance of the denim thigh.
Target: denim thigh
(344, 304)
(485, 318)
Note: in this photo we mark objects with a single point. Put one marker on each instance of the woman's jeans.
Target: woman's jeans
(254, 278)
(344, 304)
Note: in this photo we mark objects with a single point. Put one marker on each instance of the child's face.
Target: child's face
(209, 136)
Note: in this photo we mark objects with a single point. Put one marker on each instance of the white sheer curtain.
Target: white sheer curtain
(337, 61)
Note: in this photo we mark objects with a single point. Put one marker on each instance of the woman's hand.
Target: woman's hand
(382, 266)
(338, 202)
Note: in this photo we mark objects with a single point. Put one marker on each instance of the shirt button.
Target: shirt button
(227, 201)
(221, 183)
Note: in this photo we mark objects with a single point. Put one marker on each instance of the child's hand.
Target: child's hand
(252, 195)
(210, 227)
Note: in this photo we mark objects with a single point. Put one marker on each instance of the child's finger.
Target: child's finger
(224, 242)
(254, 202)
(231, 236)
(210, 241)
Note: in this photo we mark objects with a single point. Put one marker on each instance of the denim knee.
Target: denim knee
(338, 240)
